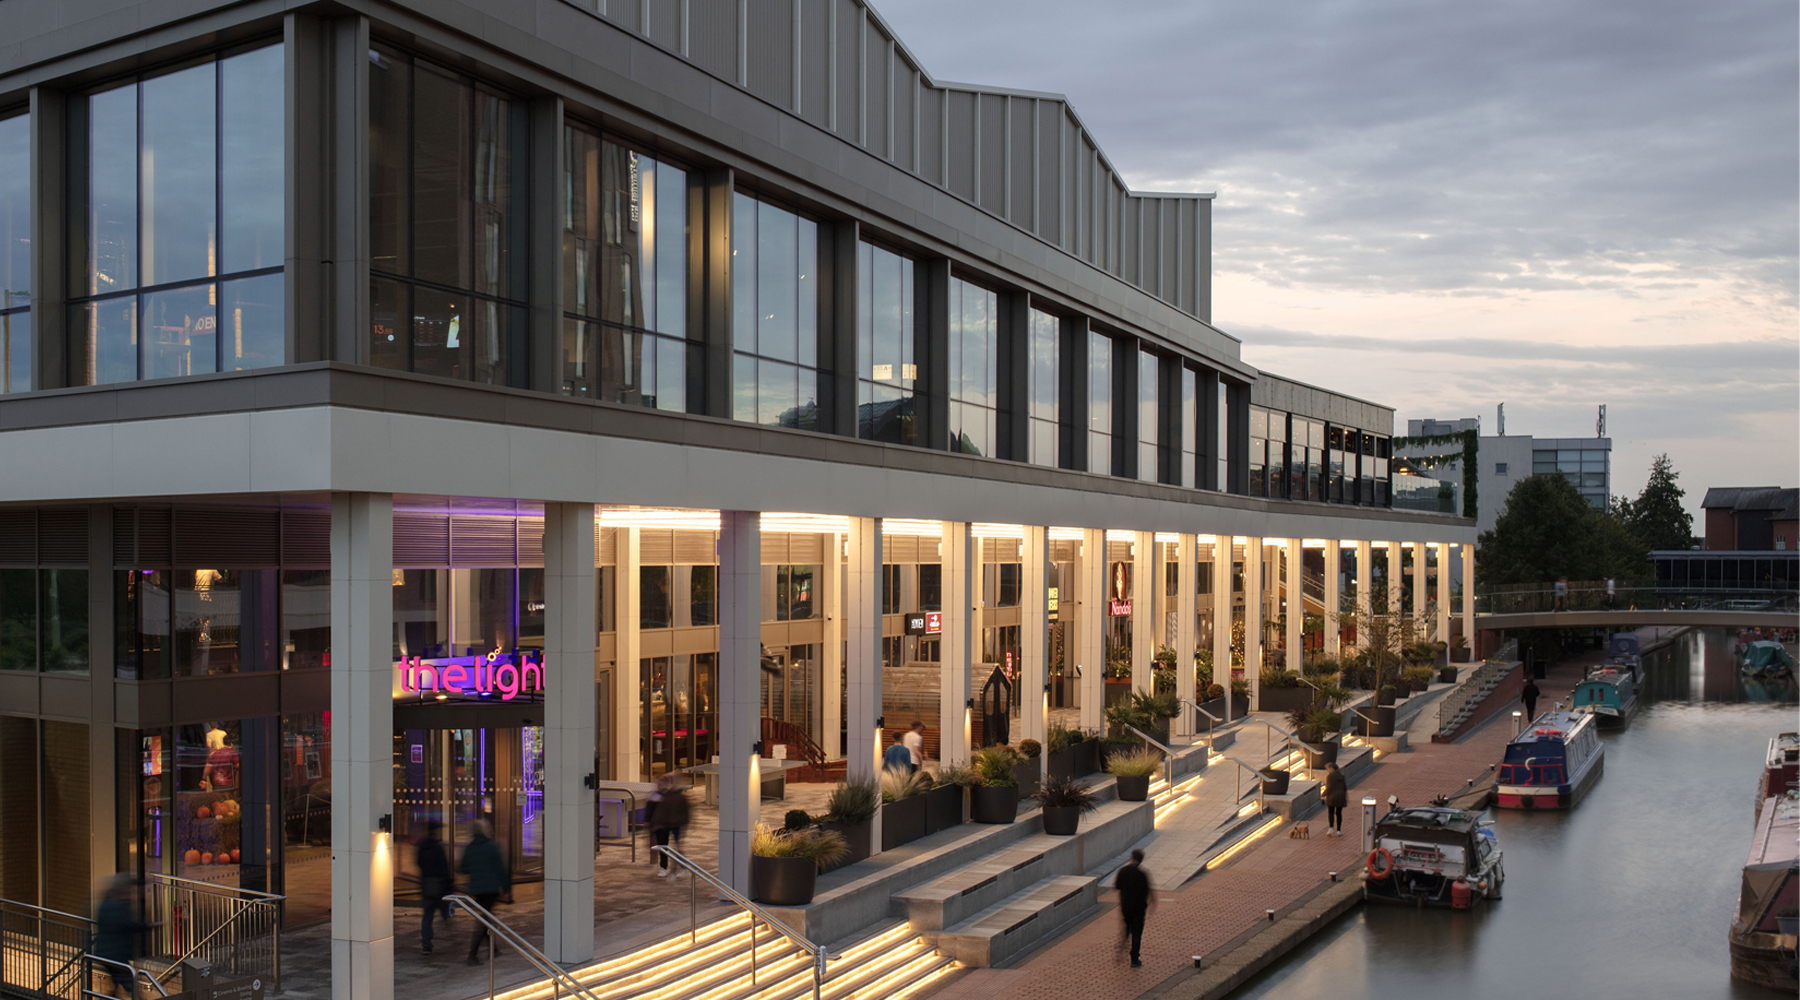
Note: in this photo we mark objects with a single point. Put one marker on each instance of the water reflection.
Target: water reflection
(1629, 895)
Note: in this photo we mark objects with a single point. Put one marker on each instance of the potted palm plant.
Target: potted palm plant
(903, 807)
(1064, 800)
(851, 812)
(1459, 649)
(784, 865)
(1132, 771)
(944, 802)
(1322, 749)
(1060, 743)
(996, 799)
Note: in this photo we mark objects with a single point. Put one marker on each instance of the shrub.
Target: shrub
(1157, 706)
(1061, 737)
(958, 774)
(1029, 749)
(1274, 679)
(824, 847)
(1065, 792)
(1325, 720)
(897, 784)
(854, 801)
(1140, 763)
(995, 766)
(1214, 692)
(1126, 712)
(796, 819)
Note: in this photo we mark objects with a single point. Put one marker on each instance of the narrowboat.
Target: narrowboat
(1433, 856)
(1764, 658)
(1763, 933)
(1552, 764)
(1781, 770)
(1609, 694)
(1623, 655)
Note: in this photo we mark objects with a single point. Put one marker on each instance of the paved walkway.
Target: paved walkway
(1207, 914)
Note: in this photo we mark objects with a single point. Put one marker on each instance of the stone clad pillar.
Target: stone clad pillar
(1146, 594)
(363, 856)
(1419, 551)
(1296, 604)
(831, 659)
(1442, 550)
(569, 762)
(1090, 625)
(956, 649)
(862, 630)
(627, 665)
(1187, 613)
(1253, 618)
(1222, 596)
(1333, 598)
(1034, 636)
(739, 704)
(1365, 590)
(1468, 597)
(1396, 565)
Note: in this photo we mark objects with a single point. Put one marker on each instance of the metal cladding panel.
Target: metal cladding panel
(1018, 207)
(623, 13)
(771, 50)
(993, 153)
(1169, 248)
(483, 541)
(906, 83)
(216, 537)
(306, 537)
(656, 546)
(1050, 118)
(154, 528)
(1130, 245)
(18, 536)
(421, 539)
(849, 42)
(63, 535)
(876, 81)
(713, 37)
(695, 548)
(815, 61)
(931, 135)
(665, 24)
(531, 541)
(806, 550)
(606, 546)
(962, 143)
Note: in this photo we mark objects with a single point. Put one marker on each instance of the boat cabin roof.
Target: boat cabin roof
(1431, 818)
(1553, 727)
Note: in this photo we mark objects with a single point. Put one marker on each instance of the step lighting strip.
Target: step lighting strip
(1235, 849)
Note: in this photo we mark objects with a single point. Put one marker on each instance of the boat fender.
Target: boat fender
(1380, 864)
(1460, 894)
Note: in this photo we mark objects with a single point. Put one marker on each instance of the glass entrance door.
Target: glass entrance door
(459, 776)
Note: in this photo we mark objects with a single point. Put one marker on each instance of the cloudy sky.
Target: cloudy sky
(1444, 206)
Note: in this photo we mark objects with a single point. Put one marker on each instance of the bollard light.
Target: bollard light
(1334, 876)
(1271, 916)
(1197, 961)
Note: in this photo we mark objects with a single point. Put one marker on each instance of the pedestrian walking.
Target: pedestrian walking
(1336, 793)
(116, 933)
(915, 745)
(488, 881)
(668, 815)
(1530, 696)
(1562, 593)
(1135, 901)
(435, 880)
(898, 758)
(1611, 588)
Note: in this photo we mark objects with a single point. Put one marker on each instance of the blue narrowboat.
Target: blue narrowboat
(1609, 695)
(1623, 655)
(1552, 764)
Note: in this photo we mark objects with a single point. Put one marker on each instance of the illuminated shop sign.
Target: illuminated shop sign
(1119, 609)
(478, 676)
(925, 623)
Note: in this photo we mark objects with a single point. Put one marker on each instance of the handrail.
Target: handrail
(242, 906)
(798, 940)
(1168, 754)
(630, 831)
(1268, 749)
(497, 930)
(1211, 720)
(85, 921)
(213, 887)
(136, 973)
(1262, 802)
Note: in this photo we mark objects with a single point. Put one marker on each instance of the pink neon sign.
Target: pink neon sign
(508, 674)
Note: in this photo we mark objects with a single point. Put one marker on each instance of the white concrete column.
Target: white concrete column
(1365, 590)
(740, 673)
(1296, 604)
(1419, 585)
(1253, 618)
(569, 762)
(1396, 564)
(1034, 637)
(1221, 595)
(1146, 591)
(862, 628)
(628, 663)
(1468, 596)
(831, 663)
(956, 650)
(1186, 614)
(363, 857)
(1443, 590)
(1333, 598)
(1090, 626)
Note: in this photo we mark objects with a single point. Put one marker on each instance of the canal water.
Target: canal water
(1629, 895)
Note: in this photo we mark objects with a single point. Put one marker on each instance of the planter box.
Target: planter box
(1320, 754)
(1217, 707)
(1028, 774)
(994, 805)
(1062, 763)
(943, 808)
(903, 821)
(1461, 655)
(857, 836)
(1384, 698)
(1284, 699)
(1132, 789)
(1087, 757)
(1447, 675)
(1061, 821)
(1116, 691)
(783, 881)
(1275, 781)
(1378, 721)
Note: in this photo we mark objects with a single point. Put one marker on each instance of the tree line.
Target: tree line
(1548, 530)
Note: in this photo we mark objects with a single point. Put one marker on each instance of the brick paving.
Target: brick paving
(1209, 912)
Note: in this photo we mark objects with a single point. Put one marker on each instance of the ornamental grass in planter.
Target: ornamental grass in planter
(784, 864)
(945, 803)
(1132, 771)
(903, 807)
(996, 799)
(1064, 800)
(850, 811)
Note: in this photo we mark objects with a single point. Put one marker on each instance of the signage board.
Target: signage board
(500, 675)
(1119, 609)
(251, 988)
(925, 623)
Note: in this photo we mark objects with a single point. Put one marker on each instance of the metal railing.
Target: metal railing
(1262, 802)
(137, 975)
(1453, 703)
(1589, 595)
(1211, 721)
(43, 952)
(499, 933)
(1269, 740)
(1168, 754)
(631, 827)
(815, 951)
(237, 931)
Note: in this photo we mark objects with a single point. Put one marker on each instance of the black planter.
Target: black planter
(903, 821)
(943, 808)
(1284, 700)
(1461, 655)
(1087, 757)
(1132, 789)
(1275, 781)
(1027, 773)
(1217, 707)
(784, 881)
(1378, 721)
(1062, 763)
(857, 836)
(1384, 696)
(1320, 753)
(1309, 734)
(1061, 821)
(996, 804)
(1447, 675)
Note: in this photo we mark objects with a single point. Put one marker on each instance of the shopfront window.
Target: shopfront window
(1149, 417)
(447, 223)
(44, 620)
(1046, 389)
(788, 592)
(1100, 399)
(421, 616)
(1190, 427)
(887, 370)
(15, 253)
(775, 315)
(305, 618)
(306, 816)
(226, 621)
(974, 368)
(625, 275)
(679, 721)
(181, 179)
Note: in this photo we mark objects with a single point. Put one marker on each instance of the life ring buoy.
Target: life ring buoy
(1380, 864)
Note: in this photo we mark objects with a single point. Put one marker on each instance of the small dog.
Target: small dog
(1301, 831)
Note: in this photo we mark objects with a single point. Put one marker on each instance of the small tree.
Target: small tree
(1549, 530)
(1382, 639)
(1657, 516)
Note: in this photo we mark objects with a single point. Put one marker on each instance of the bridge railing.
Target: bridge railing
(1628, 596)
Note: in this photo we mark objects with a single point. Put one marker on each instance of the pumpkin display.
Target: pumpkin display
(206, 857)
(203, 813)
(234, 855)
(191, 858)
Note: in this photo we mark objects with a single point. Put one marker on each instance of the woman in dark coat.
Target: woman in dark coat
(1336, 792)
(668, 816)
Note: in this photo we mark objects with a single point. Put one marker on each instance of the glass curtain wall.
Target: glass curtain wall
(44, 620)
(15, 254)
(974, 369)
(1100, 393)
(1149, 415)
(887, 369)
(1046, 385)
(625, 271)
(180, 187)
(1259, 451)
(447, 171)
(775, 315)
(1190, 428)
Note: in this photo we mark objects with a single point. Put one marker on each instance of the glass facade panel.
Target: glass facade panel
(63, 621)
(178, 176)
(1190, 427)
(1149, 417)
(112, 193)
(253, 331)
(1046, 389)
(775, 322)
(18, 619)
(887, 376)
(226, 621)
(252, 133)
(974, 354)
(305, 618)
(143, 645)
(15, 254)
(1100, 419)
(15, 351)
(180, 332)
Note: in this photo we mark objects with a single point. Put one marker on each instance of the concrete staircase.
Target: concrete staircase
(1469, 703)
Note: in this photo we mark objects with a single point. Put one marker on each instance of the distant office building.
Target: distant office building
(1507, 458)
(1751, 518)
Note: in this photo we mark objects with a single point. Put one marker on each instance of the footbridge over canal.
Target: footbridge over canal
(1623, 607)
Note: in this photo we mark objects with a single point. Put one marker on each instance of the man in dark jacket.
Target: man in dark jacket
(488, 880)
(1336, 793)
(668, 816)
(116, 932)
(1134, 902)
(434, 881)
(1530, 696)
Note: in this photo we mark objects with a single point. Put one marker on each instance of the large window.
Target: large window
(1259, 451)
(887, 369)
(15, 254)
(1100, 393)
(447, 168)
(974, 368)
(44, 620)
(625, 272)
(182, 222)
(1046, 382)
(1190, 427)
(1149, 391)
(775, 315)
